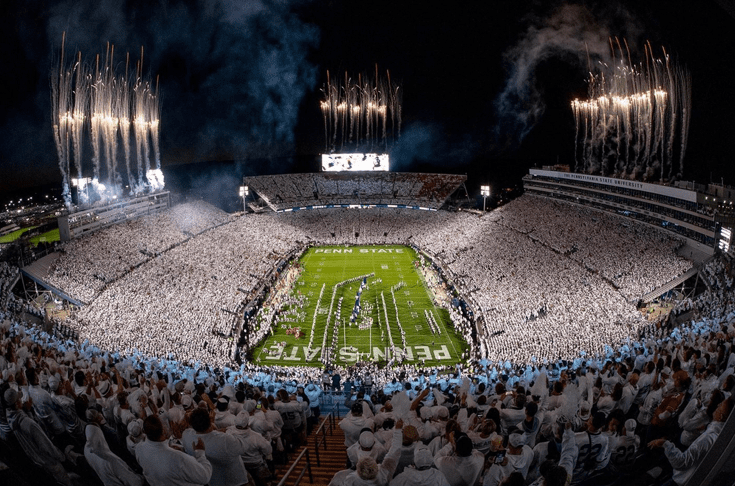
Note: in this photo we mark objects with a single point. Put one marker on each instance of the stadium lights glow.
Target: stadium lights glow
(81, 182)
(244, 191)
(485, 193)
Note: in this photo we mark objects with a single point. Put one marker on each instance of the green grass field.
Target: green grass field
(47, 237)
(326, 267)
(11, 237)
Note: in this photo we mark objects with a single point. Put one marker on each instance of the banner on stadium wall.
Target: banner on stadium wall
(668, 191)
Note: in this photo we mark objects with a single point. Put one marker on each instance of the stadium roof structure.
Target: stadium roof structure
(288, 191)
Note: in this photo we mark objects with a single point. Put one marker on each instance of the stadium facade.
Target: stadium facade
(88, 220)
(703, 214)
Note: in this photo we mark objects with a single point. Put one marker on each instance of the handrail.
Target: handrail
(323, 432)
(282, 482)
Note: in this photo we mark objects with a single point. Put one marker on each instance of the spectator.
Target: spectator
(163, 465)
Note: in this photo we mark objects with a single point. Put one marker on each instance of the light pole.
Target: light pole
(82, 184)
(485, 192)
(244, 191)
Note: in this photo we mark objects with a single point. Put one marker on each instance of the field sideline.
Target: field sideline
(386, 267)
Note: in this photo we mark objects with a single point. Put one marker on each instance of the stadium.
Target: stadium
(544, 285)
(369, 322)
(491, 306)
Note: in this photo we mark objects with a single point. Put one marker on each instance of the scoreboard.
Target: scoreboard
(354, 162)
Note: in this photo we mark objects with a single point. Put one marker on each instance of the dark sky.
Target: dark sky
(487, 84)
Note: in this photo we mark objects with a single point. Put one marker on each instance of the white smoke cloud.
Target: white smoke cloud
(237, 70)
(571, 33)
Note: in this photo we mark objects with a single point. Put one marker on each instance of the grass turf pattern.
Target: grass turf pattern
(430, 338)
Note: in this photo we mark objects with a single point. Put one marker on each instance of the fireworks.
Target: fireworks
(636, 120)
(97, 101)
(357, 114)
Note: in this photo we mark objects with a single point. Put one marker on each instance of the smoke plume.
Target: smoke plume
(233, 92)
(571, 33)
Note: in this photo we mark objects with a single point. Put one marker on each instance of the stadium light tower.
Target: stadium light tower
(82, 184)
(485, 192)
(244, 191)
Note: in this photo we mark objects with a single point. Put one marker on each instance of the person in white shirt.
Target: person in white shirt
(459, 462)
(685, 463)
(266, 421)
(110, 468)
(222, 450)
(630, 391)
(164, 466)
(366, 446)
(353, 424)
(44, 405)
(594, 448)
(223, 418)
(561, 474)
(624, 447)
(422, 473)
(256, 450)
(695, 417)
(32, 439)
(370, 473)
(518, 459)
(314, 393)
(135, 435)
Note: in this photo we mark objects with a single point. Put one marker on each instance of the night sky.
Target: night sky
(487, 85)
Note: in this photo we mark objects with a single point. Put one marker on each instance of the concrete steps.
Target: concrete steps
(333, 458)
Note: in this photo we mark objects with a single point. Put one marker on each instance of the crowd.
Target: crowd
(636, 258)
(87, 265)
(149, 350)
(286, 191)
(525, 270)
(645, 412)
(184, 294)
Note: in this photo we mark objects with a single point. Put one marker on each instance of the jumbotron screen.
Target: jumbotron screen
(354, 162)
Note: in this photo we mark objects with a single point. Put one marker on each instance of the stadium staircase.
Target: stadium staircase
(654, 294)
(320, 457)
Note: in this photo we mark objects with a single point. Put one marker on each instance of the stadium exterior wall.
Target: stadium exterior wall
(680, 211)
(89, 220)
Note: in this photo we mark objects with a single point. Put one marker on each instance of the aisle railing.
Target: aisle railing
(320, 441)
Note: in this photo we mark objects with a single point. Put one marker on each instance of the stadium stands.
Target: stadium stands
(647, 411)
(289, 191)
(190, 288)
(561, 352)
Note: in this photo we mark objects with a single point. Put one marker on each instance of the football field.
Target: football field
(341, 305)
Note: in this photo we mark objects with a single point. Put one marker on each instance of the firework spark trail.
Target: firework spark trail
(633, 116)
(108, 122)
(96, 97)
(62, 120)
(145, 115)
(123, 114)
(96, 120)
(81, 105)
(154, 117)
(356, 114)
(140, 129)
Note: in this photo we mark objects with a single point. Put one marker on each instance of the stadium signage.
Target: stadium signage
(362, 250)
(356, 162)
(349, 354)
(675, 192)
